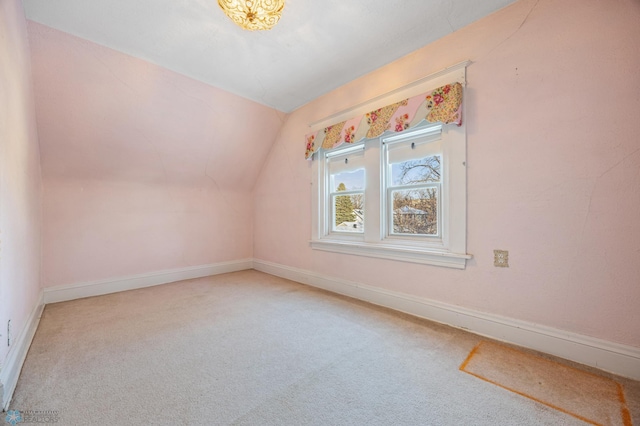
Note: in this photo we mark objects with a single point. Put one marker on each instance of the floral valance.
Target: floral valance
(440, 105)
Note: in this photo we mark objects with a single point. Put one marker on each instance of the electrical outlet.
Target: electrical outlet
(501, 258)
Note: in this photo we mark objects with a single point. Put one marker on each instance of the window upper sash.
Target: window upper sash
(440, 105)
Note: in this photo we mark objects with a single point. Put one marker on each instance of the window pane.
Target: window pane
(415, 211)
(348, 213)
(348, 181)
(416, 171)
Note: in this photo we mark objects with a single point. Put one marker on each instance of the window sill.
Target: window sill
(394, 252)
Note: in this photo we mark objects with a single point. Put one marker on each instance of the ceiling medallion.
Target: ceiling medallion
(253, 14)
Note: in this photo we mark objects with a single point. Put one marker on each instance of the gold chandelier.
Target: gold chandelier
(253, 14)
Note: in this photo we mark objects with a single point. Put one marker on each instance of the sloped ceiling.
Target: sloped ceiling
(106, 116)
(317, 46)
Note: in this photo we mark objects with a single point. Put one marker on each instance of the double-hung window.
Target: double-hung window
(413, 184)
(399, 196)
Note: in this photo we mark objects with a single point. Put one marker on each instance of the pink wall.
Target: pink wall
(20, 183)
(552, 108)
(143, 169)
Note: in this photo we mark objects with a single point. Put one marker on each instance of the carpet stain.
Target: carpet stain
(586, 396)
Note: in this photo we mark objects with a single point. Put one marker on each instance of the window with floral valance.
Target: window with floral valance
(440, 105)
(370, 196)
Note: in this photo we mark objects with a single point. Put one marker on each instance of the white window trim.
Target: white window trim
(451, 251)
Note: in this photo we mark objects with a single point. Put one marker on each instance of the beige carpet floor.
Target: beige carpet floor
(252, 349)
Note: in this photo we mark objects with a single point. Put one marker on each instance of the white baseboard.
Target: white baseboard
(114, 285)
(615, 358)
(18, 353)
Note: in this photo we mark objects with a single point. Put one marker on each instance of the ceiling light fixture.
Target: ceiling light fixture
(253, 14)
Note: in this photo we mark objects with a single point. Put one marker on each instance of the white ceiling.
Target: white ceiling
(316, 47)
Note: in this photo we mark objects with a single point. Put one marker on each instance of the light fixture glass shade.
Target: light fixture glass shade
(253, 14)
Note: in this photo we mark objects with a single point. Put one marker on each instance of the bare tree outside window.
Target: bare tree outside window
(415, 211)
(357, 200)
(419, 171)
